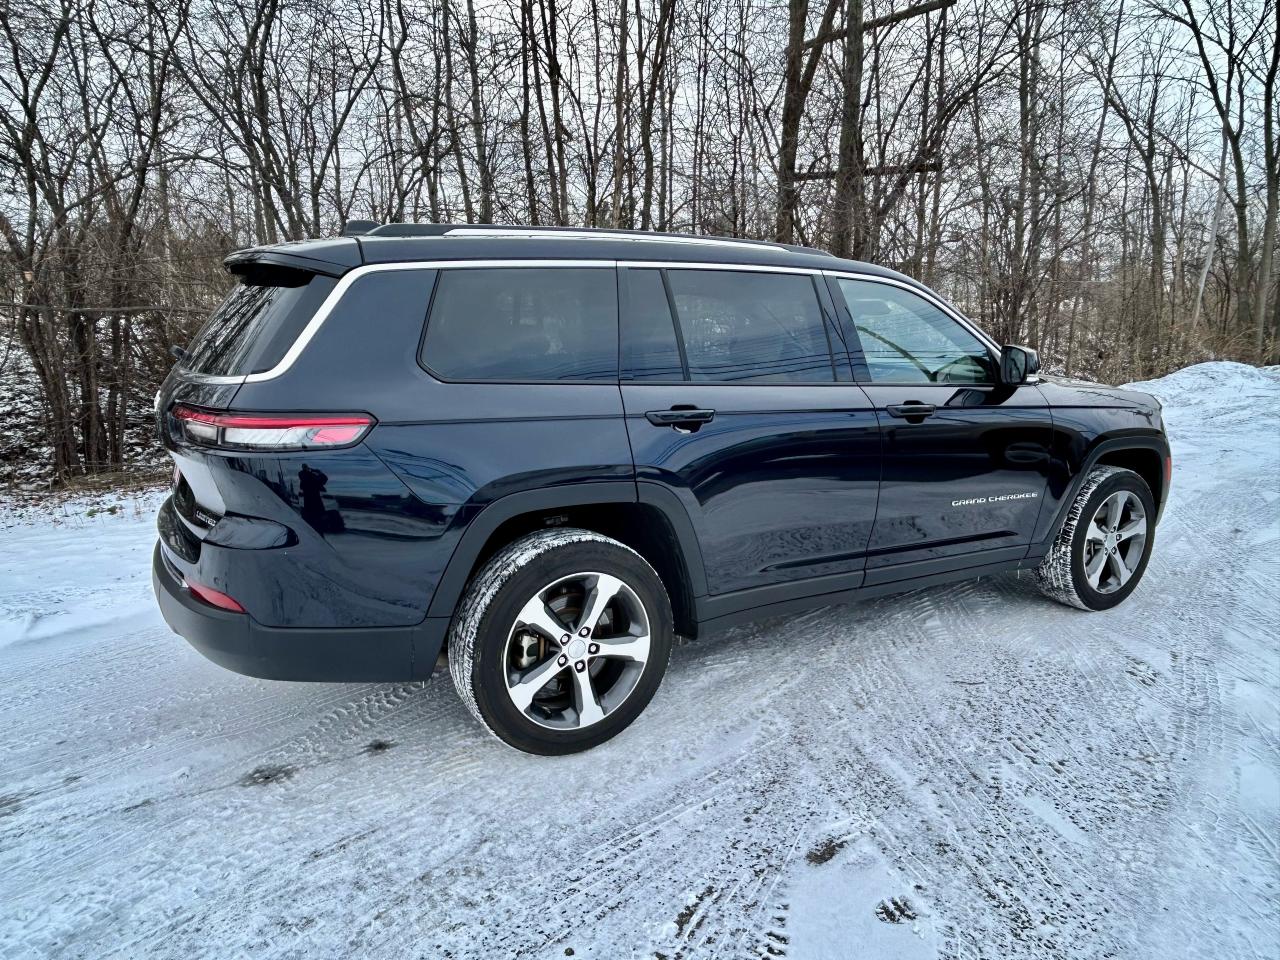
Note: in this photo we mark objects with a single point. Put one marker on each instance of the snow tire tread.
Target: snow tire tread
(464, 632)
(1053, 576)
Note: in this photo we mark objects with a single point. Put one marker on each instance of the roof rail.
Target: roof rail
(561, 233)
(632, 236)
(413, 229)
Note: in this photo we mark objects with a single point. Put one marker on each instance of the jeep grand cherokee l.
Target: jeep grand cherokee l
(546, 451)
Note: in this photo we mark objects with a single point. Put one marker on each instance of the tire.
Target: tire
(521, 669)
(1097, 561)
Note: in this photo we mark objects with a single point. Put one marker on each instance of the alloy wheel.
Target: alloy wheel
(576, 650)
(1115, 541)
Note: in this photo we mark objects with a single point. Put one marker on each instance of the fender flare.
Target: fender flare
(453, 581)
(664, 499)
(1140, 441)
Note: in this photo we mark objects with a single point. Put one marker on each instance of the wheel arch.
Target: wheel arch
(1145, 454)
(656, 527)
(1147, 462)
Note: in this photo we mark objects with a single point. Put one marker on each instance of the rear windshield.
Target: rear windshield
(257, 323)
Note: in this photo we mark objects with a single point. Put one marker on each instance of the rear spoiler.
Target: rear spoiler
(331, 258)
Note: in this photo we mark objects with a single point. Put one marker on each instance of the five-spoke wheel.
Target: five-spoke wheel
(1105, 542)
(576, 650)
(561, 641)
(1115, 541)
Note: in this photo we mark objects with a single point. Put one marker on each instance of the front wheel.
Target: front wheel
(1101, 553)
(561, 641)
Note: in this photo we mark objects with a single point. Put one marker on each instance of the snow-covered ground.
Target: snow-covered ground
(969, 771)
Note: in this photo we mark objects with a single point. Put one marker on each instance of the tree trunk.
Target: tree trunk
(849, 228)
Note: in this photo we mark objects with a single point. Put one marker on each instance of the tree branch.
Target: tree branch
(886, 170)
(888, 20)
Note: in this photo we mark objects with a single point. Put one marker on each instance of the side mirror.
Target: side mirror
(1017, 363)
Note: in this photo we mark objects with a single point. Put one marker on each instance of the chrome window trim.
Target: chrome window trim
(350, 277)
(344, 284)
(695, 265)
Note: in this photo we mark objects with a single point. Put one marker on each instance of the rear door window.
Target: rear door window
(514, 324)
(257, 324)
(751, 327)
(650, 348)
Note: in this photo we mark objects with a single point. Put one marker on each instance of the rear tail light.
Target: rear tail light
(271, 432)
(214, 597)
(1168, 470)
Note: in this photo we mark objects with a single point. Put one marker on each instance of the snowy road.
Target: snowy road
(968, 771)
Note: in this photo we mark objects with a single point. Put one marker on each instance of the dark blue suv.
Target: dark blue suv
(546, 451)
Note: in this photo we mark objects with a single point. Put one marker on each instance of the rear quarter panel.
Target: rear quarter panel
(440, 452)
(355, 553)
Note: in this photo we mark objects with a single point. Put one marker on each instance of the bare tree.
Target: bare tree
(1062, 171)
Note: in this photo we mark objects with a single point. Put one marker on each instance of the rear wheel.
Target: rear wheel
(561, 641)
(1101, 552)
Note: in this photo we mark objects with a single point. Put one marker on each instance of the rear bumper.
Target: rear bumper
(339, 655)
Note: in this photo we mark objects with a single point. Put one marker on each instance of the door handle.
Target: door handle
(683, 418)
(912, 411)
